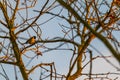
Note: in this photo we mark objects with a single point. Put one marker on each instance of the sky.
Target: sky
(61, 58)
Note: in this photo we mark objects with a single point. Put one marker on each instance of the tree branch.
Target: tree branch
(102, 38)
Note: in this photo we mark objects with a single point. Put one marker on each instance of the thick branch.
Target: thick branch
(102, 38)
(2, 6)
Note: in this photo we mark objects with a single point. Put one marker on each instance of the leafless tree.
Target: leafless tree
(79, 22)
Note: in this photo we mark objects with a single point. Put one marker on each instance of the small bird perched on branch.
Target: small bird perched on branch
(31, 40)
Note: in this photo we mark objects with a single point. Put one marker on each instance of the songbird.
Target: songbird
(31, 40)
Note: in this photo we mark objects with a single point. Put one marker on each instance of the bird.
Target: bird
(31, 40)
